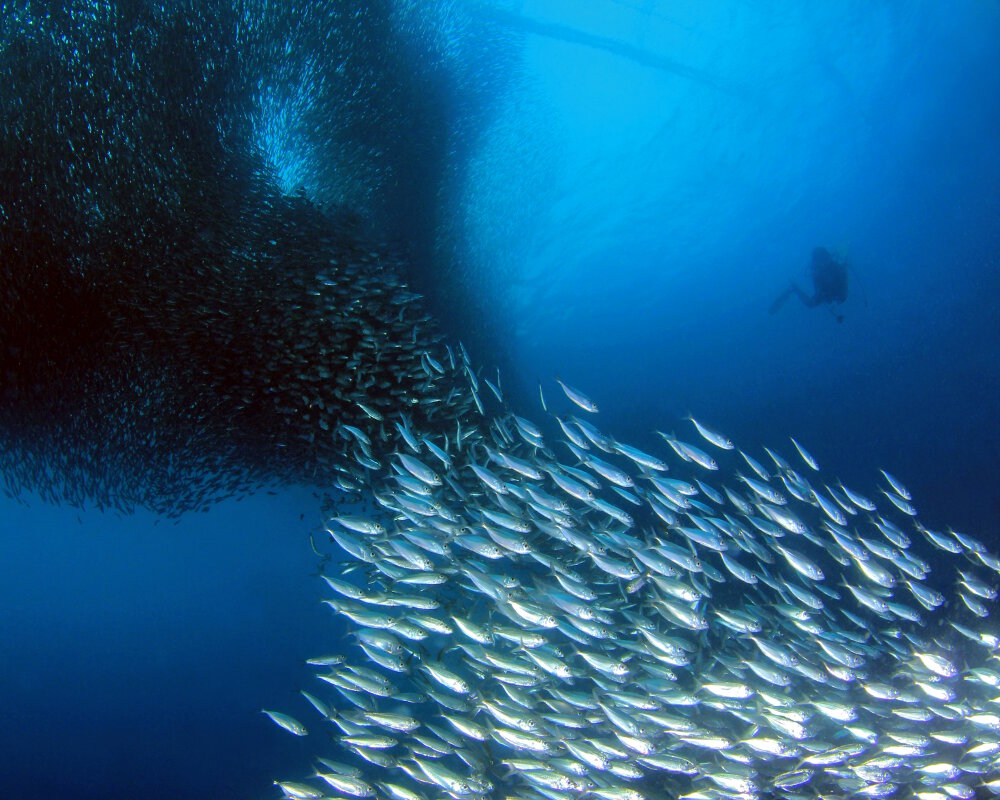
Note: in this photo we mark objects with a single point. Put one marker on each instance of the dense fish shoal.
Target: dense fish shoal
(174, 388)
(178, 322)
(537, 610)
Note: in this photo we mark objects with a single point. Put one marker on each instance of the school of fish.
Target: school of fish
(532, 609)
(177, 327)
(537, 610)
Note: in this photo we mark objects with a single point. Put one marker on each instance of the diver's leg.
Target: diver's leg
(809, 302)
(792, 289)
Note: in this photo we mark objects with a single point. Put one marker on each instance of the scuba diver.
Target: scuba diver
(829, 276)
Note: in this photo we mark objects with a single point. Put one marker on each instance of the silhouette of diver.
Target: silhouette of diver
(829, 276)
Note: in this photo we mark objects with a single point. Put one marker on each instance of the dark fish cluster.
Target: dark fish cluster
(543, 612)
(176, 326)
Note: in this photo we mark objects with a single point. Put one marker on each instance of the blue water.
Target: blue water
(627, 199)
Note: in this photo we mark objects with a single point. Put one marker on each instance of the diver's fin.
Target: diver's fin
(857, 279)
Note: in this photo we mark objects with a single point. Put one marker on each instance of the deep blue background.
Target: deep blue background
(136, 656)
(645, 180)
(674, 211)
